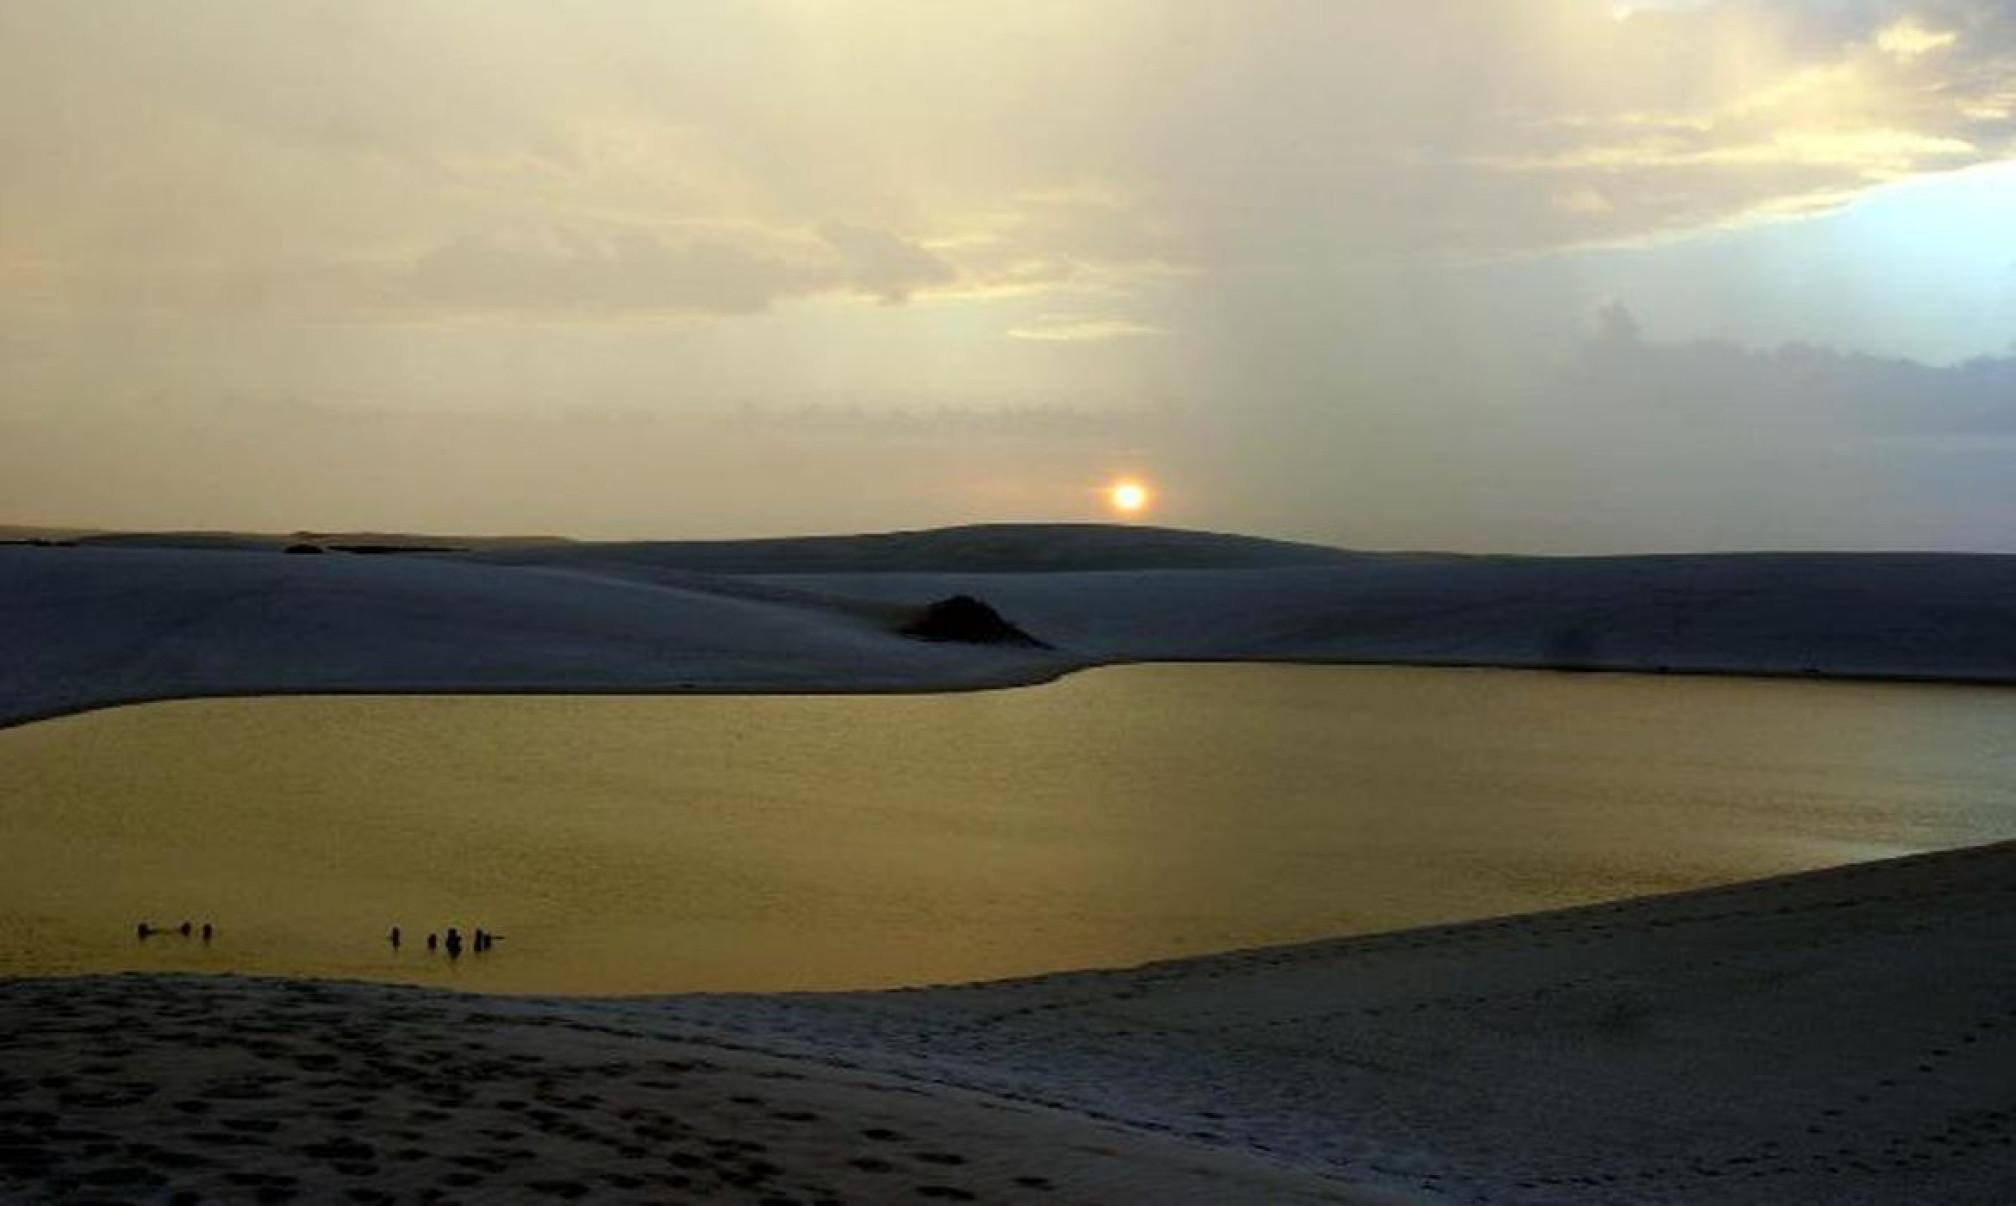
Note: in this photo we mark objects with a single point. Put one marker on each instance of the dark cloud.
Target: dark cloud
(1824, 394)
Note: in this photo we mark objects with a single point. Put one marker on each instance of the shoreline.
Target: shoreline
(1005, 682)
(1772, 1040)
(95, 627)
(1567, 915)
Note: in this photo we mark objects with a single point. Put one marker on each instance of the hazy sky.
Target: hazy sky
(1525, 275)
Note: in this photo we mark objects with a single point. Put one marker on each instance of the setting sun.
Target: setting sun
(1128, 498)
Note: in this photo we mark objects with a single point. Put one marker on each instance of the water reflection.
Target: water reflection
(637, 844)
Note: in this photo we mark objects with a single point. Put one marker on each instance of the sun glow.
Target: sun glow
(1127, 497)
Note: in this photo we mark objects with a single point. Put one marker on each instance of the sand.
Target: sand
(1841, 1037)
(1837, 1037)
(150, 1087)
(103, 624)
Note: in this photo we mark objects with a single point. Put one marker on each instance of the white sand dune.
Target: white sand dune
(84, 627)
(1841, 1037)
(113, 622)
(1847, 1036)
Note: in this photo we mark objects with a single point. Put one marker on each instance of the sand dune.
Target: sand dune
(100, 624)
(1846, 1036)
(144, 1088)
(974, 549)
(83, 627)
(1839, 1037)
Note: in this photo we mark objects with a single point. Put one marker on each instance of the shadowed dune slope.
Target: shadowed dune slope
(1856, 614)
(85, 627)
(95, 625)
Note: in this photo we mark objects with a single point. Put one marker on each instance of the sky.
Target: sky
(1556, 276)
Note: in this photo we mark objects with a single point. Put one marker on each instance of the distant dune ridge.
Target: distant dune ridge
(125, 618)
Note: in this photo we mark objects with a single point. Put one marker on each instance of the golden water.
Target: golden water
(626, 844)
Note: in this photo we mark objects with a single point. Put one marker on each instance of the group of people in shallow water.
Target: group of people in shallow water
(482, 940)
(144, 931)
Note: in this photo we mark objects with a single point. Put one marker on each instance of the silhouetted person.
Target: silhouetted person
(207, 931)
(143, 931)
(482, 940)
(395, 937)
(432, 942)
(184, 929)
(454, 943)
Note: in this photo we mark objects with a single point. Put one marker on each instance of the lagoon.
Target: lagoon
(661, 844)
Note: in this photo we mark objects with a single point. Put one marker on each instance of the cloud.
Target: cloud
(1802, 110)
(1097, 150)
(1369, 224)
(883, 265)
(580, 271)
(1824, 394)
(1874, 152)
(1083, 328)
(1582, 199)
(1634, 444)
(1907, 39)
(633, 273)
(732, 271)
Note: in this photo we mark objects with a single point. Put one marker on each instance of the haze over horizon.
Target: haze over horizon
(1566, 276)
